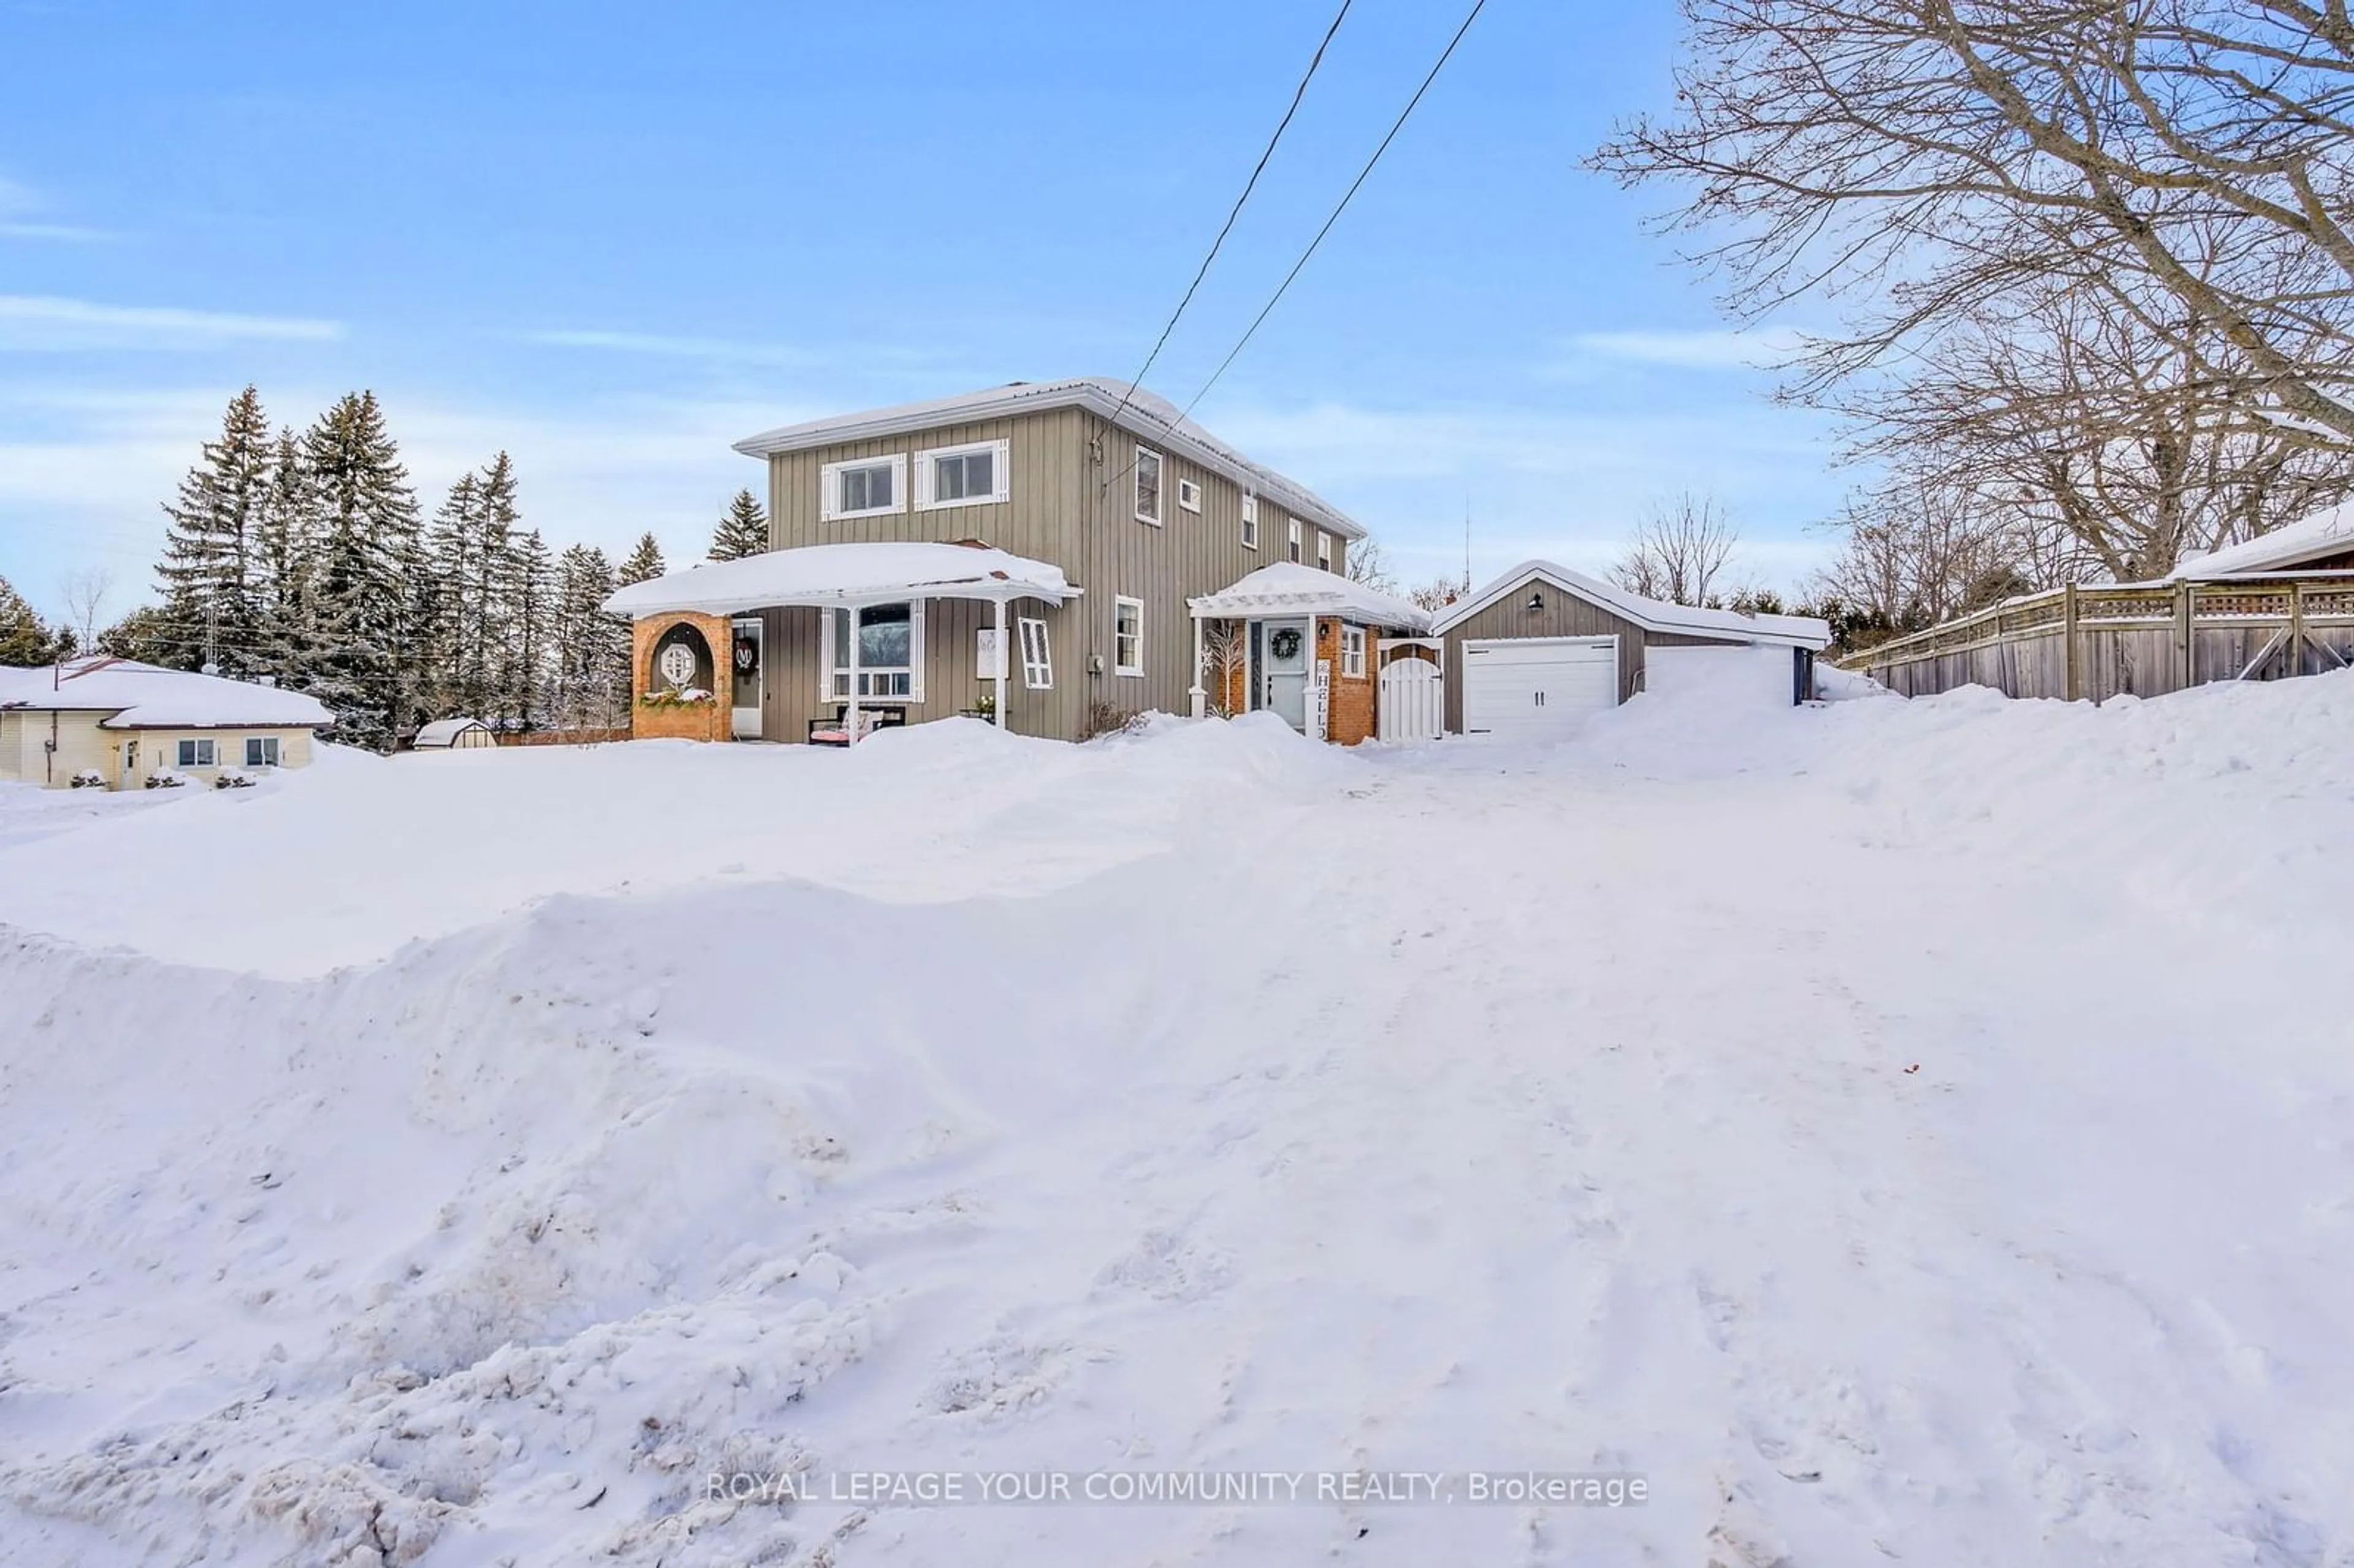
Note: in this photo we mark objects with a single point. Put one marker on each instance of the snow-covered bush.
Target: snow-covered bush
(90, 779)
(233, 781)
(164, 781)
(688, 697)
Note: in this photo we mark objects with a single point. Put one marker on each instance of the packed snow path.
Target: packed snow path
(1901, 1132)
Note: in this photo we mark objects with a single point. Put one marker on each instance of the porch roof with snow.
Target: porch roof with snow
(838, 575)
(2320, 537)
(1292, 587)
(1650, 614)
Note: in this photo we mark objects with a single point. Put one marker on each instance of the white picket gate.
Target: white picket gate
(1412, 700)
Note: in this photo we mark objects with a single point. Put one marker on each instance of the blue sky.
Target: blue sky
(612, 238)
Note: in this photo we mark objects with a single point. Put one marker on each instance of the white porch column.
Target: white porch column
(850, 721)
(1200, 697)
(1004, 660)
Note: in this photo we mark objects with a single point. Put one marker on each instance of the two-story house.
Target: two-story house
(1050, 555)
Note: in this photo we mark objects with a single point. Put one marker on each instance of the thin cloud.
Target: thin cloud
(20, 206)
(1760, 348)
(41, 324)
(63, 233)
(718, 350)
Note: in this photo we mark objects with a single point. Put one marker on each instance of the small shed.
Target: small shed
(453, 734)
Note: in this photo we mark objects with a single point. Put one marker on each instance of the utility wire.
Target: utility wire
(1346, 197)
(1236, 211)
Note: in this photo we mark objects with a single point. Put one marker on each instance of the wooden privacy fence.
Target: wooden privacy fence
(2145, 639)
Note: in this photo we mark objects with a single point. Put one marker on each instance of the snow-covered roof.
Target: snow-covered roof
(846, 574)
(2324, 533)
(1154, 417)
(1291, 587)
(143, 696)
(1651, 614)
(443, 731)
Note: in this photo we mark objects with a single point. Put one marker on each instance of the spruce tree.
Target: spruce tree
(280, 562)
(593, 646)
(525, 578)
(362, 586)
(643, 564)
(25, 637)
(207, 574)
(460, 615)
(744, 531)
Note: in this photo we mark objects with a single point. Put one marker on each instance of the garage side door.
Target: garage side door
(1537, 688)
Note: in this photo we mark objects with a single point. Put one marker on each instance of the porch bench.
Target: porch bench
(835, 731)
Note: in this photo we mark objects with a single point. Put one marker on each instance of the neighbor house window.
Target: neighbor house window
(1128, 636)
(866, 487)
(1037, 657)
(1353, 652)
(1291, 538)
(1188, 495)
(890, 652)
(1323, 549)
(262, 751)
(1250, 521)
(962, 476)
(1148, 486)
(196, 754)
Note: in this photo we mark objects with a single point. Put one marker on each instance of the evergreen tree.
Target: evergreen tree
(145, 634)
(592, 661)
(525, 595)
(279, 565)
(25, 637)
(643, 564)
(365, 561)
(744, 531)
(207, 574)
(460, 617)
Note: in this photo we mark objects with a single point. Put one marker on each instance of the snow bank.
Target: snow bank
(1902, 1131)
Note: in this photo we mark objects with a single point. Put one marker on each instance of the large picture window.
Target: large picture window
(890, 652)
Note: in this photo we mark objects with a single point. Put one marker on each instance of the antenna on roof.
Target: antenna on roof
(1466, 538)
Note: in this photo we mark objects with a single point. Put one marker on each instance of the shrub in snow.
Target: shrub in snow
(90, 779)
(234, 781)
(690, 698)
(165, 780)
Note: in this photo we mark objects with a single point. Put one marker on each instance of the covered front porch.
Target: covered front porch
(828, 643)
(1335, 659)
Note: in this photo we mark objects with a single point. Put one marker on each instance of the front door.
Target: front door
(1284, 670)
(746, 666)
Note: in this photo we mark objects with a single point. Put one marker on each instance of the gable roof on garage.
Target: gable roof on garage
(1650, 614)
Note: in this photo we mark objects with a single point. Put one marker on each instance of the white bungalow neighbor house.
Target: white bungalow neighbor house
(120, 724)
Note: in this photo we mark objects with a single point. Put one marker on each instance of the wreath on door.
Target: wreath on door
(1285, 644)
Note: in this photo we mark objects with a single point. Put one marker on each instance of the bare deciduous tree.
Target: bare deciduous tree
(1366, 563)
(1679, 551)
(1441, 591)
(2128, 223)
(1223, 654)
(86, 593)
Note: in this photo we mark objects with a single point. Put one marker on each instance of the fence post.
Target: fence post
(2294, 660)
(2185, 663)
(2071, 676)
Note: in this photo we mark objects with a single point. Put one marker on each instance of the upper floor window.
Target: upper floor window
(962, 476)
(1148, 486)
(1291, 538)
(1323, 549)
(1188, 495)
(1250, 521)
(1128, 636)
(863, 487)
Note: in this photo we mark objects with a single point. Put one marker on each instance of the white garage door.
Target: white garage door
(1537, 688)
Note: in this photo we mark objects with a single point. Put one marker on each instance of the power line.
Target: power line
(1346, 197)
(1227, 227)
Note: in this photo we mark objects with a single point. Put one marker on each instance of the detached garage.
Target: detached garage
(1542, 647)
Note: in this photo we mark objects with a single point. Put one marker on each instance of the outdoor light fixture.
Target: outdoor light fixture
(1536, 602)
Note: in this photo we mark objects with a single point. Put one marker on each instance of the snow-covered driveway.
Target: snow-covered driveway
(1911, 1132)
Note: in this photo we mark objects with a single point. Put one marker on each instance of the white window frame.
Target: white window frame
(1353, 652)
(267, 746)
(1250, 521)
(927, 475)
(197, 752)
(1159, 486)
(1291, 539)
(1117, 667)
(828, 501)
(1323, 551)
(1189, 495)
(1037, 654)
(830, 691)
